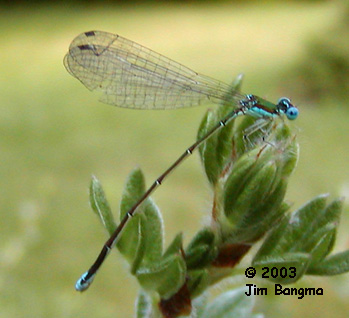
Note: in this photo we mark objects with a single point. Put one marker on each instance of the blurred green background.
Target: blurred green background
(55, 134)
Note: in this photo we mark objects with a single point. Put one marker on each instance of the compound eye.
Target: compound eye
(292, 113)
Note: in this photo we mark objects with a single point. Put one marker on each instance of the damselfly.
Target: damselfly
(127, 74)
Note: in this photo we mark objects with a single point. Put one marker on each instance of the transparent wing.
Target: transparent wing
(129, 75)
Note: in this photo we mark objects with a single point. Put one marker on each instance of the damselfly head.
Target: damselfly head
(285, 106)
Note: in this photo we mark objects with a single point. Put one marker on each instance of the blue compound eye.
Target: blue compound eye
(284, 106)
(292, 113)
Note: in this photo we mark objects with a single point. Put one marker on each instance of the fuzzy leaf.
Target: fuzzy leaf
(100, 205)
(152, 234)
(133, 190)
(332, 265)
(200, 256)
(142, 239)
(296, 265)
(216, 151)
(295, 231)
(230, 304)
(263, 217)
(310, 231)
(143, 305)
(254, 192)
(325, 227)
(253, 195)
(150, 243)
(175, 247)
(201, 250)
(198, 282)
(166, 277)
(239, 176)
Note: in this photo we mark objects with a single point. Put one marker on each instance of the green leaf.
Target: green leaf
(306, 221)
(239, 176)
(332, 265)
(100, 205)
(253, 194)
(138, 256)
(133, 190)
(201, 250)
(150, 242)
(324, 228)
(310, 231)
(204, 237)
(299, 261)
(271, 210)
(262, 217)
(270, 246)
(216, 152)
(142, 240)
(200, 256)
(166, 277)
(198, 282)
(143, 305)
(255, 191)
(323, 240)
(311, 225)
(294, 232)
(152, 233)
(259, 204)
(230, 304)
(175, 247)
